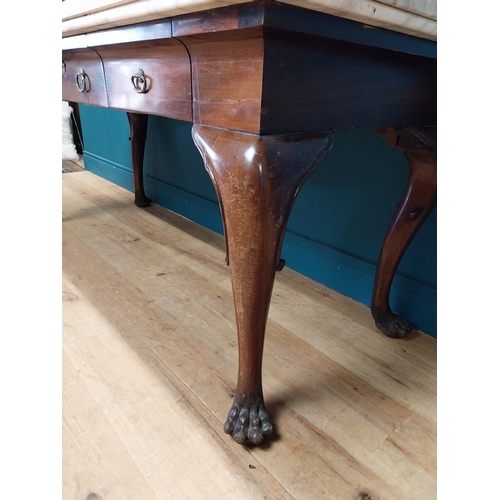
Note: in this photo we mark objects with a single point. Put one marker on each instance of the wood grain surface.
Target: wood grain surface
(167, 72)
(150, 361)
(73, 62)
(263, 68)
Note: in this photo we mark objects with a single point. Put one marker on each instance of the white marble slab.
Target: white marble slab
(415, 17)
(79, 8)
(137, 11)
(424, 8)
(395, 15)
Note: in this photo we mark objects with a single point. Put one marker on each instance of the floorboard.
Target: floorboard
(150, 363)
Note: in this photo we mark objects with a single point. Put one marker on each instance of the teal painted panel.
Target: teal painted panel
(355, 278)
(172, 157)
(349, 201)
(106, 134)
(336, 227)
(114, 172)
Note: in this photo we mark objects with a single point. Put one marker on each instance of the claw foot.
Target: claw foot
(394, 326)
(142, 201)
(248, 422)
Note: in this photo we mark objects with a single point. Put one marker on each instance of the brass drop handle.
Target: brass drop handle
(139, 82)
(82, 81)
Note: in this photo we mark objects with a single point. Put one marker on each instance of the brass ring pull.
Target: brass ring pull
(82, 81)
(139, 82)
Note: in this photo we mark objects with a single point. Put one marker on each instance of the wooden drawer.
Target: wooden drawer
(83, 77)
(165, 87)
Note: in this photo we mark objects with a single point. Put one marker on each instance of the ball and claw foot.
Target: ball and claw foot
(394, 326)
(248, 423)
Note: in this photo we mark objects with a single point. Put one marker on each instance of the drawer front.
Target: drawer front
(149, 77)
(83, 77)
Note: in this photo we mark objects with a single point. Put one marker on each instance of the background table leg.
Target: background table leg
(138, 132)
(419, 198)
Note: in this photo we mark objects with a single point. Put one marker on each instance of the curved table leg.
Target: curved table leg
(417, 202)
(138, 132)
(257, 179)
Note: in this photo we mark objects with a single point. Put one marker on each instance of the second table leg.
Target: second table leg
(415, 206)
(138, 132)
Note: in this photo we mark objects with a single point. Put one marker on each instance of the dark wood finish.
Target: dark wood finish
(76, 128)
(265, 85)
(257, 179)
(268, 81)
(87, 59)
(315, 83)
(167, 70)
(227, 73)
(299, 20)
(217, 20)
(138, 134)
(419, 198)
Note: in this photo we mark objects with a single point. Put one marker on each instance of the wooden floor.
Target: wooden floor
(76, 165)
(150, 361)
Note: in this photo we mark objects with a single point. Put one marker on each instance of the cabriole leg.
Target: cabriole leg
(138, 132)
(419, 198)
(257, 179)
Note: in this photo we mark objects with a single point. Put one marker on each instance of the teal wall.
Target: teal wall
(338, 222)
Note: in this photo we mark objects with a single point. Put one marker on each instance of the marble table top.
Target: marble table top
(414, 17)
